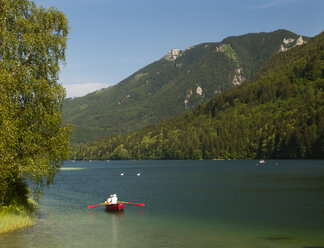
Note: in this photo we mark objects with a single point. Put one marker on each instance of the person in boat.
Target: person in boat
(114, 199)
(109, 199)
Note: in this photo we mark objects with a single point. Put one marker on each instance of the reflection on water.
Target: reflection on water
(114, 226)
(187, 204)
(71, 168)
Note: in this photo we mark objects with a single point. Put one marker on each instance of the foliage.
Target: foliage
(33, 141)
(167, 88)
(278, 115)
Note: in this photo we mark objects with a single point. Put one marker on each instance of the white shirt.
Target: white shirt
(114, 200)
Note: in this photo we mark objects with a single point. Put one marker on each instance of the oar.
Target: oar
(139, 204)
(91, 206)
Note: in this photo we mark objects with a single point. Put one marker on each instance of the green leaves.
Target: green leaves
(33, 140)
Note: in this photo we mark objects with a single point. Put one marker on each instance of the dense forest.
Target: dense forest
(279, 115)
(173, 85)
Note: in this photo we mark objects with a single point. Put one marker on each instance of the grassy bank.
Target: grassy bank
(16, 217)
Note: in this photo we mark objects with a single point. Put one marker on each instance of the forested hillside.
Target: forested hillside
(278, 115)
(176, 83)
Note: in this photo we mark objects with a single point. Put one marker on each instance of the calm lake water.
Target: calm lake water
(187, 204)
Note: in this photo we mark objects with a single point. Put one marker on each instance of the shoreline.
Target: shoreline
(13, 218)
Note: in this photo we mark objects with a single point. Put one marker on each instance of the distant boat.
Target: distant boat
(138, 174)
(261, 161)
(122, 174)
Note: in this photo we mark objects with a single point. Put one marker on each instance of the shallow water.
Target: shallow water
(187, 204)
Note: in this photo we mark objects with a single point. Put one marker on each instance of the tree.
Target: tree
(33, 140)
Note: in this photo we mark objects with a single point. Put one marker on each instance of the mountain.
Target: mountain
(176, 83)
(279, 115)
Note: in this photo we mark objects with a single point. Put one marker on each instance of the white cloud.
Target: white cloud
(77, 90)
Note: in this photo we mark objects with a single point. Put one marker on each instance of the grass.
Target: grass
(17, 217)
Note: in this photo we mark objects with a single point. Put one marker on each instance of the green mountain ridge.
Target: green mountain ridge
(279, 115)
(172, 85)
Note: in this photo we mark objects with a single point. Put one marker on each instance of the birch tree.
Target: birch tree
(33, 140)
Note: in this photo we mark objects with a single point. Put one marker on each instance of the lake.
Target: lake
(187, 204)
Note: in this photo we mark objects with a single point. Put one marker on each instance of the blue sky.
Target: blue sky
(111, 39)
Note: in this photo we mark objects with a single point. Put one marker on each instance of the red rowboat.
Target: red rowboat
(115, 207)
